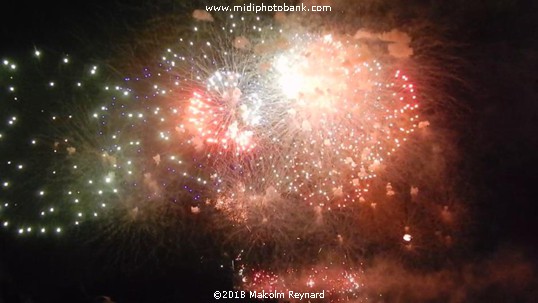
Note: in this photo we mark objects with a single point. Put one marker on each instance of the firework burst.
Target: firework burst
(286, 141)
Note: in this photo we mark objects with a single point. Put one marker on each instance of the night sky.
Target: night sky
(498, 143)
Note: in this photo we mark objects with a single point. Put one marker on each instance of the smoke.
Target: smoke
(507, 275)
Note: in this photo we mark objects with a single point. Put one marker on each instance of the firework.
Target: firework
(274, 118)
(338, 282)
(317, 111)
(89, 159)
(343, 116)
(35, 189)
(300, 149)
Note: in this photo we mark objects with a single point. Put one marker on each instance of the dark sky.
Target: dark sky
(61, 26)
(499, 141)
(42, 22)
